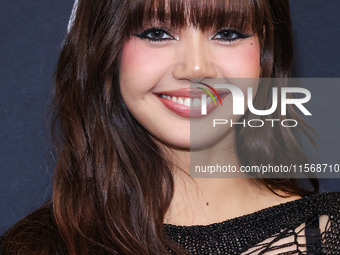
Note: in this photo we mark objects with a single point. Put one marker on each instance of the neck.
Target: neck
(202, 201)
(196, 198)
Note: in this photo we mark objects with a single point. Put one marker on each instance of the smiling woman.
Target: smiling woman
(123, 111)
(155, 65)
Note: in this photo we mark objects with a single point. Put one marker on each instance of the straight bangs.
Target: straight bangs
(243, 15)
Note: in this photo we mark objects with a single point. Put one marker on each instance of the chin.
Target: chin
(179, 143)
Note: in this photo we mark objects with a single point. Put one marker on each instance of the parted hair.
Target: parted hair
(112, 185)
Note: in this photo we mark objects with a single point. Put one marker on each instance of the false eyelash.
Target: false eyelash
(239, 34)
(143, 35)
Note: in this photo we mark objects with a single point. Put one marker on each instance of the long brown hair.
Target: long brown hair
(112, 185)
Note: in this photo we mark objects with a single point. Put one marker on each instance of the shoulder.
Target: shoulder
(328, 210)
(36, 233)
(315, 205)
(326, 203)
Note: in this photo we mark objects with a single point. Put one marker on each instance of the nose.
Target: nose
(194, 59)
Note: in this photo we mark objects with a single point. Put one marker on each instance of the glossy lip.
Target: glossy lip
(187, 111)
(189, 92)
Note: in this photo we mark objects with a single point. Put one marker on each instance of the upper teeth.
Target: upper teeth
(187, 101)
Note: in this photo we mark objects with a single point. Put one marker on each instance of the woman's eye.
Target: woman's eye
(229, 35)
(155, 34)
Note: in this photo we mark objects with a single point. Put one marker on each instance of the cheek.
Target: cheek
(242, 61)
(141, 66)
(239, 62)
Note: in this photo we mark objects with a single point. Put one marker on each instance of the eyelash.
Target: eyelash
(144, 35)
(239, 35)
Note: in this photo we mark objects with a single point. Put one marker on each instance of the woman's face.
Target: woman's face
(158, 61)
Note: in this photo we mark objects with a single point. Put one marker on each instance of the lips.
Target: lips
(186, 102)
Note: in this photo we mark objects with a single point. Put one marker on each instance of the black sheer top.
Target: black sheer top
(310, 225)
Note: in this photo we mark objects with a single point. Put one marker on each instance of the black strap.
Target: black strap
(313, 239)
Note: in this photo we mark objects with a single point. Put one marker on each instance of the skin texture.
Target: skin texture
(148, 67)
